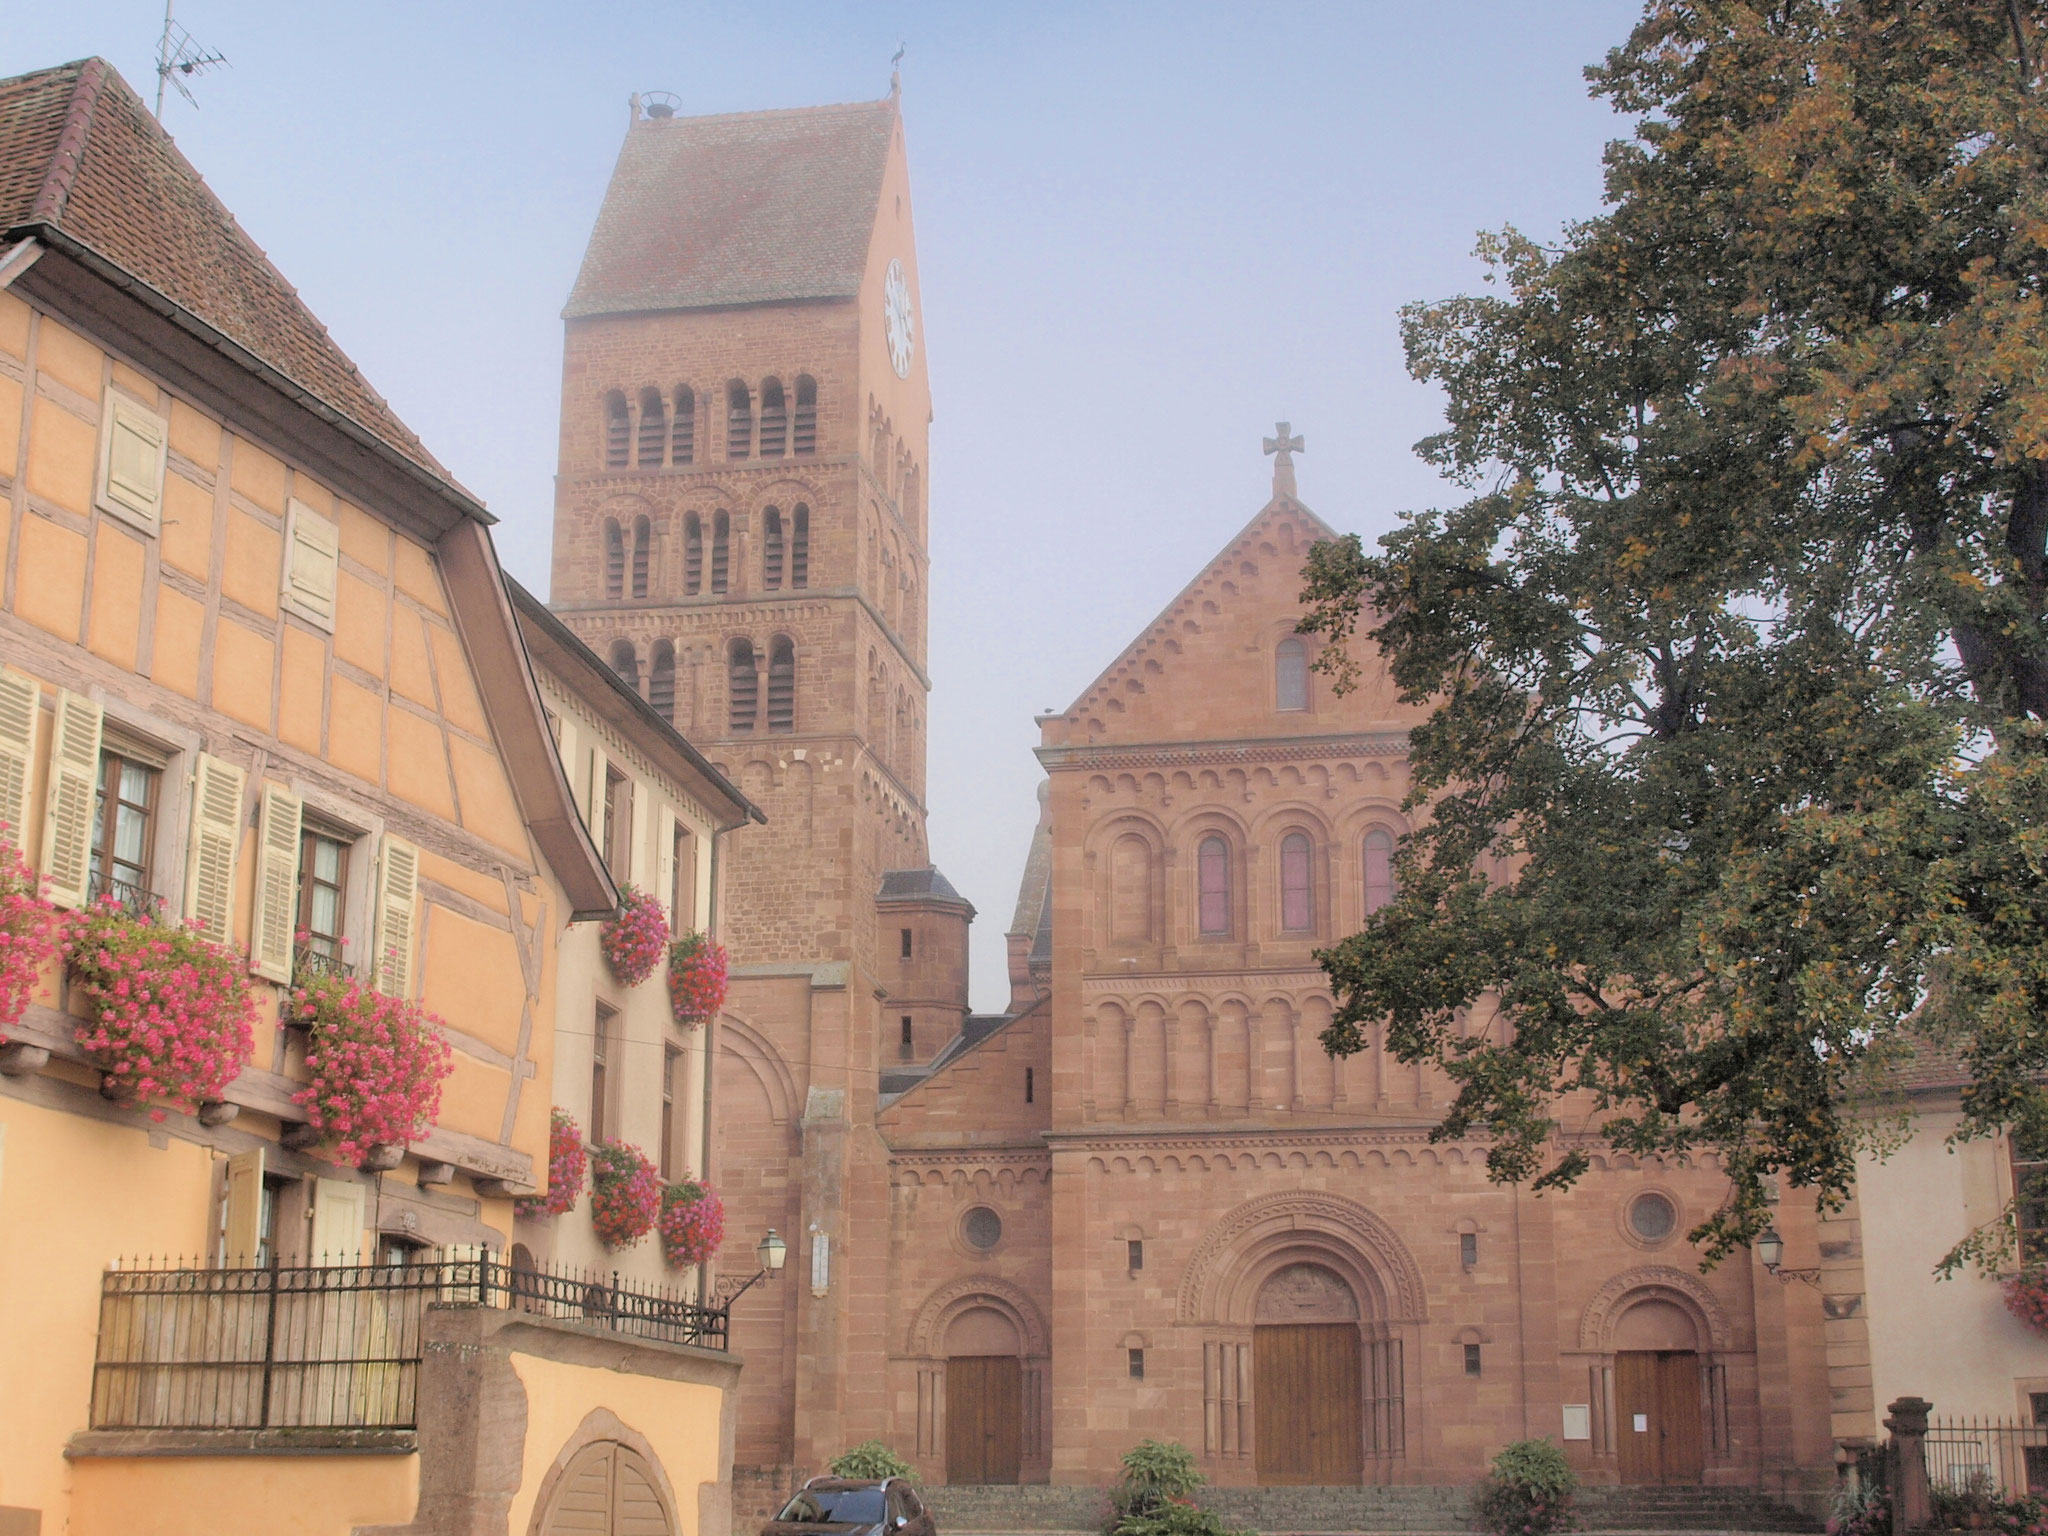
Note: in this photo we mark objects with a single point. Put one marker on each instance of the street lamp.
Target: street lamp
(1770, 1252)
(773, 1253)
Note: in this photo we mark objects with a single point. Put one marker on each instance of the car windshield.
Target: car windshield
(835, 1506)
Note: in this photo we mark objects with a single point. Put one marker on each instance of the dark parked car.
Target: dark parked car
(853, 1506)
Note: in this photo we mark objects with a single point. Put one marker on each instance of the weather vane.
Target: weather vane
(179, 57)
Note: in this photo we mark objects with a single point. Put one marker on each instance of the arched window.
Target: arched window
(626, 663)
(682, 437)
(774, 419)
(1297, 891)
(805, 438)
(618, 431)
(643, 555)
(661, 681)
(693, 554)
(743, 674)
(781, 684)
(721, 547)
(771, 548)
(1290, 675)
(800, 547)
(614, 559)
(1379, 869)
(1130, 887)
(1212, 873)
(653, 429)
(739, 420)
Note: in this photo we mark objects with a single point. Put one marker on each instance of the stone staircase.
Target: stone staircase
(1036, 1510)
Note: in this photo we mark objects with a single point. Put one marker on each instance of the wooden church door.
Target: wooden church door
(1657, 1412)
(1307, 1389)
(984, 1418)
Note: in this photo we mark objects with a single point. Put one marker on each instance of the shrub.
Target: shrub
(2026, 1297)
(171, 1015)
(1528, 1490)
(692, 1223)
(1152, 1496)
(870, 1459)
(696, 978)
(1861, 1509)
(566, 1163)
(29, 931)
(625, 1193)
(375, 1065)
(1174, 1515)
(634, 937)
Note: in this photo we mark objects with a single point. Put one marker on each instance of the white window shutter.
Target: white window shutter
(339, 1211)
(274, 921)
(20, 708)
(565, 749)
(596, 803)
(68, 806)
(312, 566)
(636, 856)
(398, 890)
(665, 863)
(134, 444)
(216, 836)
(244, 1235)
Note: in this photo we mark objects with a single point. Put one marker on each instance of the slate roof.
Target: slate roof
(925, 884)
(743, 208)
(81, 160)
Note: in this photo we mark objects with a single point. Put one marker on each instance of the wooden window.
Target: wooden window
(124, 826)
(653, 429)
(782, 684)
(2030, 1200)
(739, 420)
(600, 1069)
(1134, 1254)
(683, 880)
(661, 681)
(1471, 1359)
(774, 419)
(134, 443)
(643, 555)
(800, 547)
(771, 548)
(312, 565)
(1137, 1367)
(210, 867)
(626, 663)
(671, 1064)
(1379, 869)
(907, 1046)
(744, 687)
(721, 549)
(906, 943)
(21, 710)
(280, 911)
(618, 823)
(805, 437)
(1297, 898)
(323, 894)
(1468, 1248)
(70, 804)
(618, 431)
(1027, 1085)
(1212, 869)
(1290, 675)
(394, 1252)
(693, 554)
(682, 439)
(614, 559)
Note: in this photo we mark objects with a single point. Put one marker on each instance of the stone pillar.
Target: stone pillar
(821, 1320)
(1911, 1508)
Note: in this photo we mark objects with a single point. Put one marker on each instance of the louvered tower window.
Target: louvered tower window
(653, 429)
(693, 554)
(614, 559)
(626, 664)
(805, 438)
(643, 555)
(771, 548)
(721, 548)
(781, 684)
(661, 681)
(774, 419)
(682, 439)
(800, 547)
(739, 420)
(743, 684)
(618, 431)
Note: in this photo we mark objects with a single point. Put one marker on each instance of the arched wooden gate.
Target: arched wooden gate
(608, 1489)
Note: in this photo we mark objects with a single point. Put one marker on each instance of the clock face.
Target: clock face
(898, 320)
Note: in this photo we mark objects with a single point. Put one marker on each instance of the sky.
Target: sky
(1146, 233)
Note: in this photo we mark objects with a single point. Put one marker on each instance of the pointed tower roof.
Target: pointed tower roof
(741, 208)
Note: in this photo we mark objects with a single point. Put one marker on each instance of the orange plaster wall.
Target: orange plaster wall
(278, 1495)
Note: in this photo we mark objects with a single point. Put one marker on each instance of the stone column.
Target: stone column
(1911, 1508)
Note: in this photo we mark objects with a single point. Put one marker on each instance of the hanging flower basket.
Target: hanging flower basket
(566, 1162)
(29, 931)
(634, 937)
(2026, 1297)
(625, 1193)
(169, 1015)
(375, 1063)
(692, 1223)
(696, 978)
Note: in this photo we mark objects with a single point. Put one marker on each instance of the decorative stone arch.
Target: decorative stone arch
(926, 1347)
(928, 1328)
(749, 1046)
(1263, 1234)
(600, 1428)
(1654, 1282)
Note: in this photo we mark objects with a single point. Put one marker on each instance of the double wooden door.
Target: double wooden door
(1657, 1416)
(984, 1418)
(606, 1490)
(1306, 1404)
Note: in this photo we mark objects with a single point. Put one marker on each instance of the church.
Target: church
(1142, 1201)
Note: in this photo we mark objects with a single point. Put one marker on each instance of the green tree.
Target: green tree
(1738, 652)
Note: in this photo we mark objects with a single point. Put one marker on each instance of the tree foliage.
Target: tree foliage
(1738, 653)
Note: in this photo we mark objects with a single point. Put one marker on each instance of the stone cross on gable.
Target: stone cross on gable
(1283, 447)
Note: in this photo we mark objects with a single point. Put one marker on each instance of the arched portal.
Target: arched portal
(982, 1351)
(1306, 1378)
(606, 1488)
(1658, 1339)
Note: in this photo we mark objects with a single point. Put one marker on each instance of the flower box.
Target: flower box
(625, 1193)
(697, 978)
(692, 1223)
(634, 937)
(375, 1064)
(30, 931)
(567, 1161)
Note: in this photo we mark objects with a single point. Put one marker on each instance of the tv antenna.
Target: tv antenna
(178, 58)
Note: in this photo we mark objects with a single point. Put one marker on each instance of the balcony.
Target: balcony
(312, 964)
(135, 901)
(332, 1347)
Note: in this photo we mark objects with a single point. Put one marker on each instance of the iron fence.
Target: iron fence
(134, 901)
(329, 1346)
(1970, 1457)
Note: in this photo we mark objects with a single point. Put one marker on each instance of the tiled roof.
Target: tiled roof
(81, 156)
(745, 208)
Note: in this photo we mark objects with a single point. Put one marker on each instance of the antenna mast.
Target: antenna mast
(178, 56)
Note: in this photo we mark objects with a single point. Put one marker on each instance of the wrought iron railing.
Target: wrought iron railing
(1984, 1457)
(309, 963)
(137, 901)
(329, 1346)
